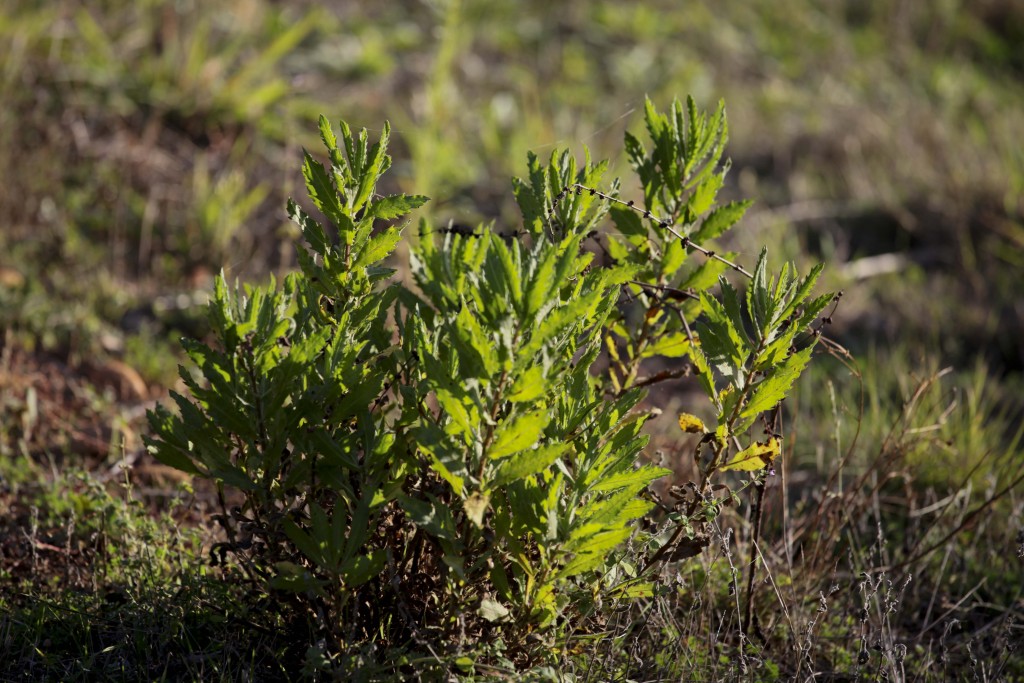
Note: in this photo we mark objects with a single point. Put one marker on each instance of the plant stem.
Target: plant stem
(752, 563)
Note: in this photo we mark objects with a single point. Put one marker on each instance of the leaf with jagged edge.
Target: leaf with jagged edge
(530, 385)
(305, 542)
(731, 305)
(320, 187)
(768, 392)
(721, 342)
(673, 258)
(517, 435)
(703, 196)
(702, 368)
(376, 163)
(595, 552)
(465, 420)
(477, 352)
(396, 205)
(525, 463)
(777, 351)
(445, 460)
(351, 152)
(758, 304)
(672, 345)
(630, 478)
(720, 220)
(378, 247)
(503, 272)
(311, 229)
(714, 135)
(615, 509)
(531, 195)
(813, 309)
(330, 141)
(704, 276)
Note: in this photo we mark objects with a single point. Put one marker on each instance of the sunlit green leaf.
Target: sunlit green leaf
(396, 205)
(525, 463)
(518, 434)
(720, 220)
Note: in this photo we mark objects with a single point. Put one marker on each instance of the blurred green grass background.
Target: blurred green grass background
(146, 145)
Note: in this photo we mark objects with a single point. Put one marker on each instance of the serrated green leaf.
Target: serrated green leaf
(719, 339)
(444, 459)
(529, 386)
(475, 347)
(321, 189)
(596, 538)
(731, 304)
(542, 283)
(703, 371)
(812, 310)
(802, 291)
(376, 162)
(606, 511)
(518, 434)
(594, 552)
(758, 294)
(674, 345)
(378, 247)
(720, 220)
(704, 196)
(328, 137)
(705, 275)
(631, 478)
(773, 388)
(395, 205)
(673, 258)
(531, 195)
(457, 411)
(777, 350)
(527, 462)
(311, 230)
(619, 251)
(628, 222)
(578, 309)
(509, 272)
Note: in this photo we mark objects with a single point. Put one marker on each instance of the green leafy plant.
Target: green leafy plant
(446, 460)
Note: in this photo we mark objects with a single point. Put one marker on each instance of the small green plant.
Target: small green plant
(222, 206)
(433, 463)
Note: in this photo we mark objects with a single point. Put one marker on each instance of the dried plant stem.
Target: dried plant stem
(748, 607)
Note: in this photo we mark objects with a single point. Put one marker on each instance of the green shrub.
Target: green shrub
(429, 465)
